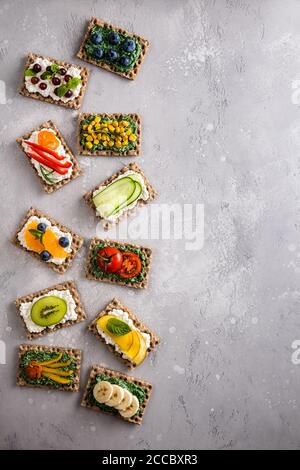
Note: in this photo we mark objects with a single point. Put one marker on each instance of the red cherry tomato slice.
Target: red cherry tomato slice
(131, 265)
(109, 259)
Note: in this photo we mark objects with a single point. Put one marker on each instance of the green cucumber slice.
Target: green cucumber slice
(135, 195)
(113, 196)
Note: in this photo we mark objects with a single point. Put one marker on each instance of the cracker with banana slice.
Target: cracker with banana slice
(117, 394)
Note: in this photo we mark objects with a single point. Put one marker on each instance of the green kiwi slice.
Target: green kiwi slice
(48, 310)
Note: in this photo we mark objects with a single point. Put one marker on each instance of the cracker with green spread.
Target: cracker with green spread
(49, 367)
(103, 394)
(113, 49)
(123, 264)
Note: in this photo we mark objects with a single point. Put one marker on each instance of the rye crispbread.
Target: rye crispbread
(77, 241)
(68, 285)
(131, 74)
(74, 353)
(88, 197)
(76, 102)
(136, 284)
(97, 370)
(116, 304)
(76, 170)
(116, 116)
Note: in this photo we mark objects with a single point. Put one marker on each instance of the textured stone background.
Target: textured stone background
(220, 106)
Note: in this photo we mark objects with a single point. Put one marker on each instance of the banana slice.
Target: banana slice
(103, 391)
(132, 409)
(116, 397)
(126, 402)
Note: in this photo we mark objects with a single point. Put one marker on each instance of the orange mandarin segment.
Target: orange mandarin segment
(48, 139)
(51, 244)
(31, 242)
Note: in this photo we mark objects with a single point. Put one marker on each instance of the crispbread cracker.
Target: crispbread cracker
(131, 74)
(97, 370)
(73, 104)
(88, 197)
(69, 285)
(76, 170)
(138, 285)
(74, 353)
(130, 153)
(77, 241)
(116, 304)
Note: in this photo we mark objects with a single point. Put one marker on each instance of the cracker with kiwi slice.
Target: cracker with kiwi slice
(99, 370)
(76, 170)
(137, 284)
(130, 74)
(116, 304)
(75, 103)
(77, 241)
(88, 197)
(75, 355)
(112, 153)
(68, 285)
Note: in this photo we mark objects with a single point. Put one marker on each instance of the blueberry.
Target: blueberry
(45, 255)
(42, 227)
(125, 61)
(98, 53)
(129, 45)
(112, 55)
(64, 242)
(96, 38)
(114, 38)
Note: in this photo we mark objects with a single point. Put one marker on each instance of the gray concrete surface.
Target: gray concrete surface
(220, 106)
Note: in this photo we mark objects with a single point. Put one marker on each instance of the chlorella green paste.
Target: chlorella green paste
(96, 271)
(122, 60)
(136, 390)
(42, 356)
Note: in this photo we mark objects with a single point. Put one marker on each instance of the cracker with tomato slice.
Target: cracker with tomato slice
(141, 327)
(79, 309)
(98, 370)
(88, 197)
(23, 380)
(74, 103)
(76, 170)
(77, 241)
(130, 74)
(141, 277)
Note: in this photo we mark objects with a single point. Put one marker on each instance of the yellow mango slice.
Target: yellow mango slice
(138, 359)
(58, 372)
(56, 378)
(52, 361)
(32, 243)
(124, 342)
(135, 347)
(60, 364)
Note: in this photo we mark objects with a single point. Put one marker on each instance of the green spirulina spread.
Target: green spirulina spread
(136, 390)
(42, 356)
(106, 46)
(96, 271)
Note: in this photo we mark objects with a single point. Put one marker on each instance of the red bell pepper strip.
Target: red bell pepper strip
(52, 160)
(43, 161)
(45, 149)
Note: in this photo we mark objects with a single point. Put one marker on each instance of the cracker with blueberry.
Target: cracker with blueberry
(113, 49)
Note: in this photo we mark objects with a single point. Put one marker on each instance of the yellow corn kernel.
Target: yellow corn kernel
(97, 127)
(117, 131)
(121, 129)
(85, 135)
(96, 141)
(115, 123)
(125, 123)
(93, 122)
(84, 127)
(132, 138)
(89, 145)
(104, 143)
(125, 142)
(103, 137)
(90, 131)
(111, 128)
(97, 119)
(111, 143)
(118, 144)
(89, 138)
(128, 132)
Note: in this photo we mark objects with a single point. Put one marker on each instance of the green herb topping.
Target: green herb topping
(117, 327)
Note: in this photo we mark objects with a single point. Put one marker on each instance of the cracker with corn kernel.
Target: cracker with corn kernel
(109, 134)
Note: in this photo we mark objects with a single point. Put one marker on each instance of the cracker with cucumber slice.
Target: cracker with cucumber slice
(76, 170)
(102, 153)
(77, 241)
(116, 304)
(88, 197)
(97, 370)
(147, 254)
(68, 285)
(130, 74)
(72, 104)
(75, 355)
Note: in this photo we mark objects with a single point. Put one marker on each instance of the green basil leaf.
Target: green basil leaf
(117, 327)
(29, 73)
(61, 90)
(46, 75)
(37, 234)
(73, 82)
(55, 68)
